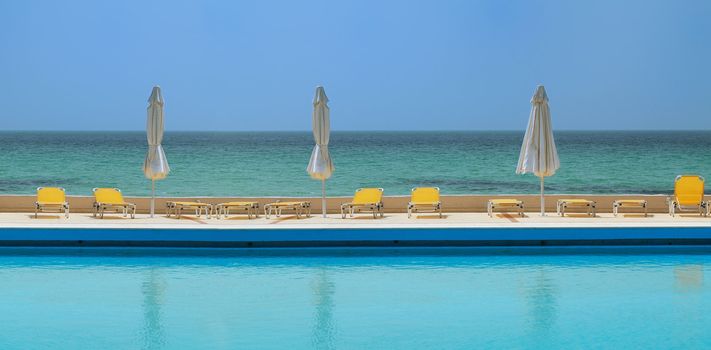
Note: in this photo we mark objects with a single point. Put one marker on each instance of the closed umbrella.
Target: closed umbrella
(155, 167)
(538, 153)
(320, 165)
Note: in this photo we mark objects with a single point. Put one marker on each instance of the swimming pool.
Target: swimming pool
(394, 298)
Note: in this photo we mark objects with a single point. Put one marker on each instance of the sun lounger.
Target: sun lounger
(111, 199)
(504, 203)
(629, 203)
(251, 208)
(365, 199)
(299, 208)
(51, 199)
(564, 204)
(688, 195)
(178, 207)
(424, 199)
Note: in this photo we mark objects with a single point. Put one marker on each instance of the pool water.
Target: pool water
(464, 298)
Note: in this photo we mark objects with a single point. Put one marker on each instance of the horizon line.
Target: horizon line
(359, 130)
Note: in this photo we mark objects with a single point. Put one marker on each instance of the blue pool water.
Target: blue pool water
(615, 298)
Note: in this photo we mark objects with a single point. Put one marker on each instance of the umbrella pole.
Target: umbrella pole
(323, 197)
(153, 196)
(543, 201)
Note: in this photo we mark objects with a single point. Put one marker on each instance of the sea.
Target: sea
(274, 163)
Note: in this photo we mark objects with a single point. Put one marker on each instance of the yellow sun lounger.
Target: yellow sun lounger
(111, 199)
(424, 199)
(299, 208)
(504, 203)
(688, 195)
(564, 204)
(365, 199)
(629, 203)
(178, 207)
(51, 199)
(223, 209)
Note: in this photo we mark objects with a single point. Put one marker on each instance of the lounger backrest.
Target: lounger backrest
(689, 189)
(368, 195)
(51, 195)
(425, 195)
(108, 195)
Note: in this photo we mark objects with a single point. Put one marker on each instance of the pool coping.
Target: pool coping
(274, 237)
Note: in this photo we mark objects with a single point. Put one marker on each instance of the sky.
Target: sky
(385, 65)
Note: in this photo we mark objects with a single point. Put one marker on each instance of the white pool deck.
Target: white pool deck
(395, 229)
(334, 221)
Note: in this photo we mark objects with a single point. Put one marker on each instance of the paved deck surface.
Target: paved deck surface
(334, 221)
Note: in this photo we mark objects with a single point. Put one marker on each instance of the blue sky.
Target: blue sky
(386, 65)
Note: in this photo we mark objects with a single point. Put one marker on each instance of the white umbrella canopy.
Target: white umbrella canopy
(320, 165)
(538, 153)
(155, 166)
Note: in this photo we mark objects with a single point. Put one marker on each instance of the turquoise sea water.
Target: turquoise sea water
(273, 163)
(535, 298)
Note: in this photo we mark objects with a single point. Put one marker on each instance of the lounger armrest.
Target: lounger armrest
(425, 203)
